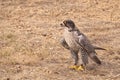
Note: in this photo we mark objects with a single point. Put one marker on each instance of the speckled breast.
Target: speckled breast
(70, 39)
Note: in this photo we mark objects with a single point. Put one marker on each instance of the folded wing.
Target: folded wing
(88, 49)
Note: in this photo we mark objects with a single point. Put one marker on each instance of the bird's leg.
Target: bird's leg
(84, 57)
(80, 68)
(75, 56)
(75, 66)
(84, 60)
(64, 44)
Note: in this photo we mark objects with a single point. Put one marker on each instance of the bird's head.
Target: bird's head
(69, 24)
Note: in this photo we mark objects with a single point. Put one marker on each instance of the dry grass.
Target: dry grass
(30, 34)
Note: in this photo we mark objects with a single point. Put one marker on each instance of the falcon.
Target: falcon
(76, 42)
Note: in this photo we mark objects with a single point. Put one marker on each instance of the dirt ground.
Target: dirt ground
(30, 33)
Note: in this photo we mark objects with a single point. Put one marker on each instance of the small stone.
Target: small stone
(44, 34)
(56, 72)
(102, 74)
(7, 78)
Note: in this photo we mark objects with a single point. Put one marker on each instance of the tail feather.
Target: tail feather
(95, 58)
(98, 48)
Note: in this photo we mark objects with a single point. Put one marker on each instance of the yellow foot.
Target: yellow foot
(77, 68)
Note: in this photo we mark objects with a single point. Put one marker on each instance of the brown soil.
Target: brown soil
(30, 32)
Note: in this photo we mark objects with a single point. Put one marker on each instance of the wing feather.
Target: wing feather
(86, 46)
